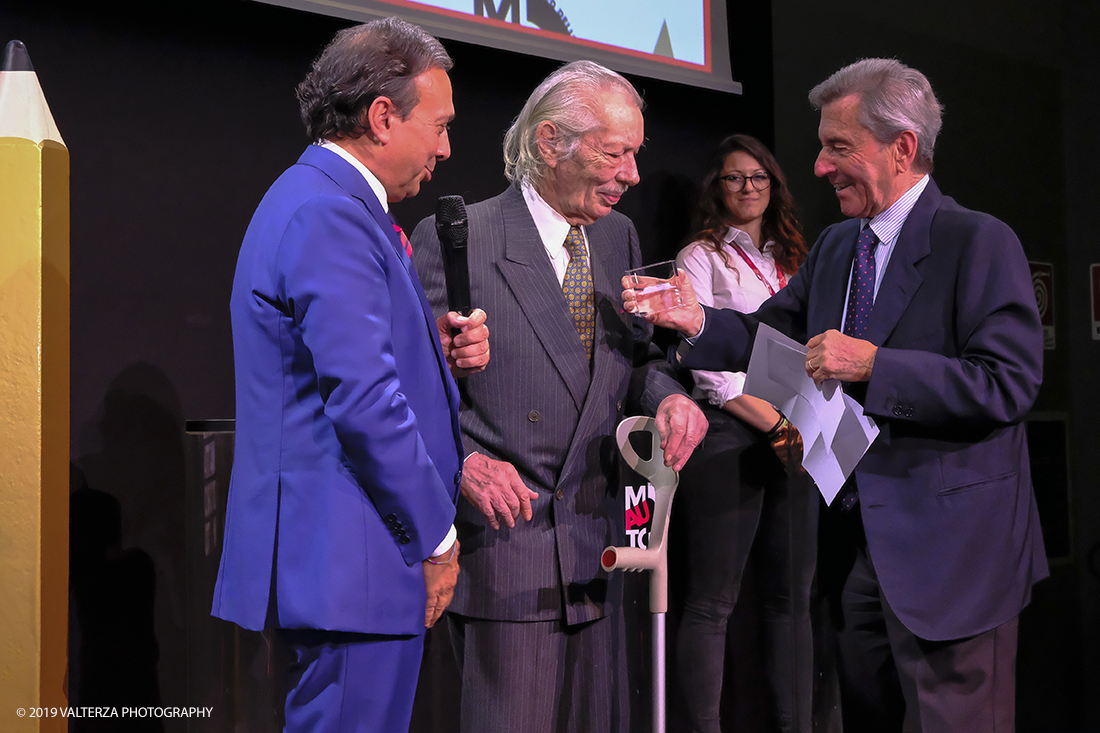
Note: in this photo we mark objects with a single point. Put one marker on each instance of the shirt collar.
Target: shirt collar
(741, 237)
(552, 226)
(887, 224)
(372, 180)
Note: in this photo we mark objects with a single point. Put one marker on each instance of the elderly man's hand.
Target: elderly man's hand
(682, 426)
(832, 355)
(467, 351)
(440, 576)
(687, 319)
(494, 488)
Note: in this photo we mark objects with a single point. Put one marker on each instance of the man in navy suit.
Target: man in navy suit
(348, 448)
(925, 310)
(536, 623)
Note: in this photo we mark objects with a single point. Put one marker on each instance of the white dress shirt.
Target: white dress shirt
(552, 228)
(372, 180)
(735, 286)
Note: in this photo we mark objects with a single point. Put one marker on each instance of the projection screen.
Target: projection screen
(683, 41)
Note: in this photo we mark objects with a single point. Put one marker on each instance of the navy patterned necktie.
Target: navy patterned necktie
(577, 287)
(861, 299)
(861, 292)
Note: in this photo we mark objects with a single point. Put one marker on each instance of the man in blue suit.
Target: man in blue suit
(925, 310)
(348, 448)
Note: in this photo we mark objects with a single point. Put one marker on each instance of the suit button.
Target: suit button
(390, 518)
(559, 494)
(897, 410)
(533, 416)
(619, 405)
(458, 477)
(909, 412)
(403, 540)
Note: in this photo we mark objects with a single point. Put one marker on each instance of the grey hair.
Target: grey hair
(382, 58)
(572, 99)
(893, 98)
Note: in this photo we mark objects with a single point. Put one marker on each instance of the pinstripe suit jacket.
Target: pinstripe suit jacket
(540, 406)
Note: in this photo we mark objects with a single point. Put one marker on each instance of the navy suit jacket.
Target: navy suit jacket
(348, 449)
(945, 491)
(541, 406)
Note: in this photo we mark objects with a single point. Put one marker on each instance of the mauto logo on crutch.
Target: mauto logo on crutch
(639, 506)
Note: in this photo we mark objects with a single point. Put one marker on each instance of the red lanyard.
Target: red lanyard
(778, 273)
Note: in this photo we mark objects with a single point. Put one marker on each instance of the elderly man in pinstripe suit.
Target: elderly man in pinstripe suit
(536, 623)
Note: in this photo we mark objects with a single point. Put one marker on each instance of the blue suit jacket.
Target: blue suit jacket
(348, 448)
(947, 504)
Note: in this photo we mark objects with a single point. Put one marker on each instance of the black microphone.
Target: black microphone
(452, 228)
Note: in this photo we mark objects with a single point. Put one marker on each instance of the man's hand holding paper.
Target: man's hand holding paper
(835, 432)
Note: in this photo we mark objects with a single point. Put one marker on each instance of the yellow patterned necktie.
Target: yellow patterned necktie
(577, 287)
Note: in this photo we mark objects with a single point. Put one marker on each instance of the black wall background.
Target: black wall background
(178, 118)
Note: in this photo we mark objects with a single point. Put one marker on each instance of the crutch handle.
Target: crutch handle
(664, 480)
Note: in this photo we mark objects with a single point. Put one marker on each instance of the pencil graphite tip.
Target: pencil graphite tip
(23, 109)
(16, 57)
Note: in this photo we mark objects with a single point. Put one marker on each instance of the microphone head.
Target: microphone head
(450, 219)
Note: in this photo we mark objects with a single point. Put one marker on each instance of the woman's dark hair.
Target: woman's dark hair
(780, 220)
(377, 59)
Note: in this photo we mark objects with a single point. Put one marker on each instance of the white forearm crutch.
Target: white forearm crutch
(654, 558)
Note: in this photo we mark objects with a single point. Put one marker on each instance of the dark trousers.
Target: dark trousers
(349, 683)
(542, 676)
(891, 679)
(735, 500)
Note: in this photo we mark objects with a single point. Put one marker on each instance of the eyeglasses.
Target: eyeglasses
(735, 183)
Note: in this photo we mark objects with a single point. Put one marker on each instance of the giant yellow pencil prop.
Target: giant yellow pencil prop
(34, 403)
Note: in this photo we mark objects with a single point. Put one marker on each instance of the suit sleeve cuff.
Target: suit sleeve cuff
(702, 327)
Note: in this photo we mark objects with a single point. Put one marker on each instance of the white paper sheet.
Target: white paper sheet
(835, 432)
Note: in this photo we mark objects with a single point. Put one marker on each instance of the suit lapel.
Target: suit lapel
(605, 283)
(530, 276)
(600, 254)
(352, 181)
(349, 179)
(901, 279)
(832, 277)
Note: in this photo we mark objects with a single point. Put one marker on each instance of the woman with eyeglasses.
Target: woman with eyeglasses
(743, 489)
